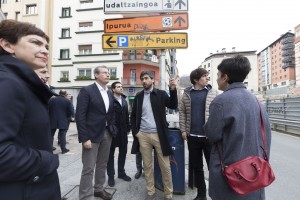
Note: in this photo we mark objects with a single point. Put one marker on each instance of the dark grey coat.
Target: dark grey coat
(234, 123)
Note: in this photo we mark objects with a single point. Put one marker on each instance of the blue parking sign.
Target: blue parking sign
(122, 41)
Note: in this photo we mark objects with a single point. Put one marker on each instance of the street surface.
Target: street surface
(285, 161)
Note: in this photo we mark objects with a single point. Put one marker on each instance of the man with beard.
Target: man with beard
(150, 129)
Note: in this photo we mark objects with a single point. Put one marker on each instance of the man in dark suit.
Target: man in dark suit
(121, 140)
(60, 110)
(95, 121)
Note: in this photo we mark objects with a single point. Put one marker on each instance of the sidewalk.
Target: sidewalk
(70, 168)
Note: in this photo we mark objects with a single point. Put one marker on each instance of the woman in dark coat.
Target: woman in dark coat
(28, 168)
(234, 125)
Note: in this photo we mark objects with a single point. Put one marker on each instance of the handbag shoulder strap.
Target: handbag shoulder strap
(263, 135)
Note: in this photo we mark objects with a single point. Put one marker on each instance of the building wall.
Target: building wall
(211, 64)
(297, 55)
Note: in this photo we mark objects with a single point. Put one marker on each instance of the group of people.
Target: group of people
(28, 167)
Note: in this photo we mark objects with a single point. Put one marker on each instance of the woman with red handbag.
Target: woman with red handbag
(235, 129)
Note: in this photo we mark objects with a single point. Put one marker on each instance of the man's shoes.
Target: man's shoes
(103, 194)
(200, 198)
(151, 197)
(111, 181)
(65, 151)
(125, 178)
(138, 174)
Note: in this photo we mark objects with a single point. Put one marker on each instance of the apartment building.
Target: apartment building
(297, 54)
(276, 65)
(213, 60)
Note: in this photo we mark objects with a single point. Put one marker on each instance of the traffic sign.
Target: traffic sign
(145, 41)
(147, 24)
(132, 6)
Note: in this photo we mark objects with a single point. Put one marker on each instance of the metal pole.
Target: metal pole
(162, 69)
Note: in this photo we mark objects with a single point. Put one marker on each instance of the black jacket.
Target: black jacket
(91, 116)
(159, 101)
(27, 164)
(60, 111)
(122, 122)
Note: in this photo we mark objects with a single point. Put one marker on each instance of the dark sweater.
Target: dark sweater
(198, 111)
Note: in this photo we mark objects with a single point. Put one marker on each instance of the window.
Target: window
(85, 49)
(66, 12)
(3, 1)
(18, 0)
(31, 9)
(84, 72)
(85, 26)
(64, 54)
(283, 83)
(17, 17)
(110, 51)
(132, 77)
(5, 15)
(65, 32)
(64, 76)
(112, 72)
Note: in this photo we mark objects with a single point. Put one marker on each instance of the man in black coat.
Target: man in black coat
(60, 111)
(150, 129)
(121, 140)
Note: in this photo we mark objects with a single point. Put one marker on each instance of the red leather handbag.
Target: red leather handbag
(251, 173)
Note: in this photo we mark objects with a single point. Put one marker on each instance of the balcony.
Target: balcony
(289, 52)
(287, 40)
(288, 59)
(138, 56)
(288, 64)
(288, 46)
(135, 82)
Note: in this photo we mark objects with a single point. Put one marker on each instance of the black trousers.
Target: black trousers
(62, 133)
(197, 147)
(121, 161)
(139, 161)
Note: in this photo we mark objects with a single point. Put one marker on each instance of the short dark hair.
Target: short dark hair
(147, 72)
(63, 92)
(237, 68)
(113, 85)
(12, 31)
(196, 74)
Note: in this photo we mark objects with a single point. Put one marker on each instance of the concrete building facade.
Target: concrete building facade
(211, 65)
(276, 65)
(297, 54)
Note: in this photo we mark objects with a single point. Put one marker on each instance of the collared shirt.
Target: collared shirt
(193, 88)
(104, 95)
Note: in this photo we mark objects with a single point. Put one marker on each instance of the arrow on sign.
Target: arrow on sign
(179, 20)
(180, 2)
(108, 41)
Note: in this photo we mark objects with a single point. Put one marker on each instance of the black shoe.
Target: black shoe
(200, 198)
(125, 178)
(138, 174)
(53, 148)
(111, 182)
(65, 151)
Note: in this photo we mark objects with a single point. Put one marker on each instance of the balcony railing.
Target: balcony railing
(289, 52)
(287, 40)
(289, 64)
(288, 59)
(147, 57)
(288, 46)
(135, 82)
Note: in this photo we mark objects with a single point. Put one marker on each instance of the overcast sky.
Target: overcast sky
(244, 24)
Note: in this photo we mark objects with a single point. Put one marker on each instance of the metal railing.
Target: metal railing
(284, 114)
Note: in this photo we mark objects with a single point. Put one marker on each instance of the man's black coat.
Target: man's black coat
(27, 164)
(159, 101)
(60, 111)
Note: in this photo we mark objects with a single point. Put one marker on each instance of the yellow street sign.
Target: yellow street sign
(145, 41)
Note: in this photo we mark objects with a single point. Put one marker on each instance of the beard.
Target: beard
(147, 86)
